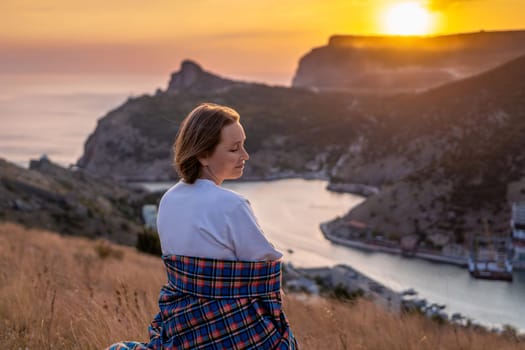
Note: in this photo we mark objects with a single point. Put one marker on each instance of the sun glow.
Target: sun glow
(407, 18)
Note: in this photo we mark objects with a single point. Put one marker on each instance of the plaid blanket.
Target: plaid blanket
(218, 304)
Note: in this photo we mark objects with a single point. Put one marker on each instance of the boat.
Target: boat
(491, 258)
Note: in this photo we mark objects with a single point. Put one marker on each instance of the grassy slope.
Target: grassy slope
(59, 293)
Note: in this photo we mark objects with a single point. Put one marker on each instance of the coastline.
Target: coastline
(160, 185)
(458, 261)
(353, 188)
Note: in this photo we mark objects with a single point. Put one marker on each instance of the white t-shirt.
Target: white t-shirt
(206, 220)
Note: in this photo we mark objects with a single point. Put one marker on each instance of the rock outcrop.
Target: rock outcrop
(191, 77)
(386, 64)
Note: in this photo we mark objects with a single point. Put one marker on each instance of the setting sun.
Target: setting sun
(407, 18)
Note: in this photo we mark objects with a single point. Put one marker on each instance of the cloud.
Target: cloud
(443, 4)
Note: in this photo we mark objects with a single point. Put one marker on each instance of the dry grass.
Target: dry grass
(322, 323)
(63, 293)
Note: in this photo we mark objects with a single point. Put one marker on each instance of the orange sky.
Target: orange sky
(254, 40)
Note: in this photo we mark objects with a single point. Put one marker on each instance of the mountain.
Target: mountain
(463, 147)
(290, 132)
(447, 159)
(392, 64)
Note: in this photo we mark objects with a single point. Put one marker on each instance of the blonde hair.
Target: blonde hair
(198, 135)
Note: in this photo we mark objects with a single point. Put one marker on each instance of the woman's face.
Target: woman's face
(227, 160)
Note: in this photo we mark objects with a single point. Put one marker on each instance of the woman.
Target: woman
(223, 289)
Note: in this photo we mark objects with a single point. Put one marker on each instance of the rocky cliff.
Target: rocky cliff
(390, 64)
(290, 132)
(191, 77)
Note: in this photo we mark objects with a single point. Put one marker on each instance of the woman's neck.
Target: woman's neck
(207, 174)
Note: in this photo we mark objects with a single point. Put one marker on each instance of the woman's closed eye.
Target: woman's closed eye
(237, 148)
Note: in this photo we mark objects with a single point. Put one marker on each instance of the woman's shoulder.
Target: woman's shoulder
(226, 195)
(207, 192)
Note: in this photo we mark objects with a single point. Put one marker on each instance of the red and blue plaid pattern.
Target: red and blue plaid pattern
(218, 304)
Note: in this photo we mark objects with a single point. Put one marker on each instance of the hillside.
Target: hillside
(463, 145)
(69, 201)
(447, 159)
(290, 132)
(393, 64)
(112, 292)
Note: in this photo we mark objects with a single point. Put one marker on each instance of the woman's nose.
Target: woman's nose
(246, 156)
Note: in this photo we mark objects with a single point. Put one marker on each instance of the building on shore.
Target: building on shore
(517, 223)
(149, 216)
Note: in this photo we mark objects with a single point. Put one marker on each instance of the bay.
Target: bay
(290, 212)
(54, 115)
